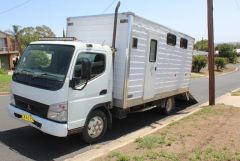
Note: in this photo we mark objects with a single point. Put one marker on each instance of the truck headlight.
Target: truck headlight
(12, 100)
(58, 112)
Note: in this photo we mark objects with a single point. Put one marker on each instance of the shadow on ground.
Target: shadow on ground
(36, 145)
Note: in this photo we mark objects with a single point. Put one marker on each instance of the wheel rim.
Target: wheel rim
(95, 127)
(168, 105)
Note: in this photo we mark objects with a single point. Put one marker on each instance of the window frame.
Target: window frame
(156, 47)
(171, 37)
(93, 52)
(134, 40)
(54, 87)
(182, 43)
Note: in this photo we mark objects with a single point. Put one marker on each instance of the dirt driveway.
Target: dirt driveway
(208, 135)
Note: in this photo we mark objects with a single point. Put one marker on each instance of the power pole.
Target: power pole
(211, 54)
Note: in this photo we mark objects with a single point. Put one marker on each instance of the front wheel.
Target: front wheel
(95, 128)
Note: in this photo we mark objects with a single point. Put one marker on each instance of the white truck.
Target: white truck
(62, 87)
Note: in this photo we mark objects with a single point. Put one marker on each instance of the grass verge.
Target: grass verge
(208, 135)
(5, 82)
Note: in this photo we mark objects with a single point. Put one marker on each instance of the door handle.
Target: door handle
(103, 92)
(155, 68)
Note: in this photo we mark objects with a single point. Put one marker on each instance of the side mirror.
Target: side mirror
(86, 69)
(15, 62)
(83, 74)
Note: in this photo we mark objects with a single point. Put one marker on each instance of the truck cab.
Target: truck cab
(64, 87)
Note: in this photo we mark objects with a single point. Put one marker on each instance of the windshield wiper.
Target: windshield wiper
(53, 77)
(25, 71)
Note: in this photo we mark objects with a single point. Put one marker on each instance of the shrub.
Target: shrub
(199, 62)
(228, 51)
(220, 63)
(233, 58)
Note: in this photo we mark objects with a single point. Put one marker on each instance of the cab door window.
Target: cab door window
(98, 63)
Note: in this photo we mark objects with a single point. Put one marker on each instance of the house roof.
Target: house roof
(4, 34)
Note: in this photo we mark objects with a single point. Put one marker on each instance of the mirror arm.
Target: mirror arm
(82, 87)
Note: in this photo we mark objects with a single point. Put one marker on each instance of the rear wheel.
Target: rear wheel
(95, 128)
(169, 105)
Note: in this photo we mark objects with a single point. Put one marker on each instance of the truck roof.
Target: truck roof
(134, 15)
(76, 44)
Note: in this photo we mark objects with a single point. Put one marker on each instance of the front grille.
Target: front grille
(31, 106)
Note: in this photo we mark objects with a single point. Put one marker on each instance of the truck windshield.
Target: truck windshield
(44, 65)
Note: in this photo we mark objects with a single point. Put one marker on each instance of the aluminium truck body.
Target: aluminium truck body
(138, 78)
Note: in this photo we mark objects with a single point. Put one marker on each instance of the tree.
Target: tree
(220, 63)
(15, 33)
(201, 45)
(30, 34)
(27, 35)
(44, 31)
(38, 59)
(228, 51)
(199, 62)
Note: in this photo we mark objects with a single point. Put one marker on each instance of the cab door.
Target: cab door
(151, 67)
(97, 91)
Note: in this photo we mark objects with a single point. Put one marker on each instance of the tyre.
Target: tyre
(160, 106)
(95, 127)
(169, 105)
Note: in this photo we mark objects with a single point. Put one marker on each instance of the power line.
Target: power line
(110, 5)
(15, 7)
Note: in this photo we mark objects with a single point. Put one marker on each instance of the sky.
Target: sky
(187, 16)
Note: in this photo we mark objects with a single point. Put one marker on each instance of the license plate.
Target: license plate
(27, 118)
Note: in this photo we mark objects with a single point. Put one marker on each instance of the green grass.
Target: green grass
(211, 153)
(236, 93)
(149, 155)
(205, 111)
(161, 155)
(164, 155)
(5, 81)
(119, 156)
(149, 142)
(138, 158)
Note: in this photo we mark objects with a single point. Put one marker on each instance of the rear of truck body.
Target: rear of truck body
(151, 66)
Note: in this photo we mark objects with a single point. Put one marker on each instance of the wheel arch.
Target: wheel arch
(104, 107)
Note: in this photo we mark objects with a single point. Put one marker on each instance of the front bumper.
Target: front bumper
(44, 125)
